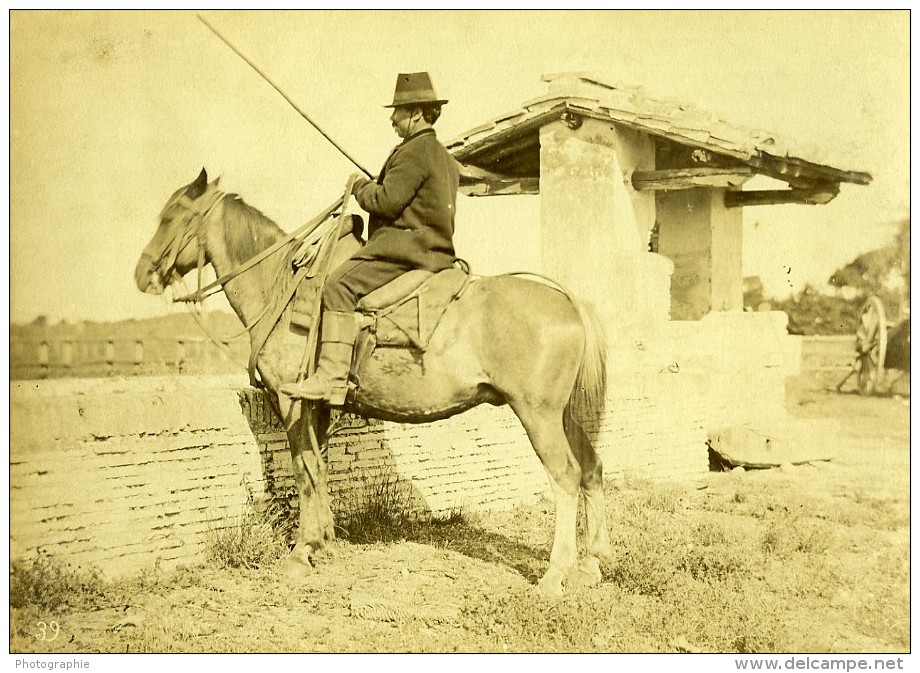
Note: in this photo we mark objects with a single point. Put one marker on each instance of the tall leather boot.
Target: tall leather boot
(330, 381)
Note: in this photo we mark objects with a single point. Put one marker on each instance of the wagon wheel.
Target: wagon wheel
(871, 343)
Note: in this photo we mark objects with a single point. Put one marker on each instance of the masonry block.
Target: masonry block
(793, 442)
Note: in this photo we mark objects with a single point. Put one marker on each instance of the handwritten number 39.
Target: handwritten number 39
(46, 630)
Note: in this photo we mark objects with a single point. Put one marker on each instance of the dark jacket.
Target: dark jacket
(412, 205)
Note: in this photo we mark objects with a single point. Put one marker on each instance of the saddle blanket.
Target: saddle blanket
(411, 320)
(408, 321)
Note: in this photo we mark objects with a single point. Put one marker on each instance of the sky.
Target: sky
(111, 112)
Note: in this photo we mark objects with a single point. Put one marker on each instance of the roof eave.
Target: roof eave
(795, 170)
(465, 150)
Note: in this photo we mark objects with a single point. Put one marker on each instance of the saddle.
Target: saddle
(404, 312)
(401, 314)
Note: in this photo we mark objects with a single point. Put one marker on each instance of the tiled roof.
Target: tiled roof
(631, 107)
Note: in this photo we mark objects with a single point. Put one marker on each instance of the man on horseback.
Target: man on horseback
(411, 205)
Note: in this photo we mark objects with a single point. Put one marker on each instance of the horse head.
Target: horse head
(176, 248)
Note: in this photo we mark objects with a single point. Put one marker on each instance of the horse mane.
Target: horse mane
(248, 230)
(173, 200)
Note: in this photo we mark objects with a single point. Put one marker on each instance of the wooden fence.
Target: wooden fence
(114, 356)
(120, 356)
(827, 356)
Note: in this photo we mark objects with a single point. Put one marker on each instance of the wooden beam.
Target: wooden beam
(690, 178)
(811, 197)
(475, 181)
(504, 188)
(503, 138)
(803, 174)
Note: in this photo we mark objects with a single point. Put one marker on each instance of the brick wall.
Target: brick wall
(483, 460)
(479, 460)
(120, 474)
(653, 427)
(123, 473)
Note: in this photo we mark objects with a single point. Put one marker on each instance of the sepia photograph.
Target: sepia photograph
(460, 332)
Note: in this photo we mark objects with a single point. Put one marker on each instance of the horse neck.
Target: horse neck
(236, 234)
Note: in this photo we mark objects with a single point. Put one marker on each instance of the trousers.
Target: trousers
(357, 278)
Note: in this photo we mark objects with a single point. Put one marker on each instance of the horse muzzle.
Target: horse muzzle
(147, 277)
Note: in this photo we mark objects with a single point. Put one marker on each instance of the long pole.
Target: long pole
(286, 97)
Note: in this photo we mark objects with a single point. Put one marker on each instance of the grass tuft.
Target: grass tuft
(260, 536)
(384, 511)
(45, 583)
(790, 534)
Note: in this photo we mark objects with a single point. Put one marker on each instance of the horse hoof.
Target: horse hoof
(294, 568)
(551, 584)
(587, 574)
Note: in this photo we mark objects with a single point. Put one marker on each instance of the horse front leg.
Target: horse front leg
(316, 526)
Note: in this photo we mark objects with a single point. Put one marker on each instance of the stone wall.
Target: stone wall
(594, 227)
(123, 474)
(703, 239)
(736, 362)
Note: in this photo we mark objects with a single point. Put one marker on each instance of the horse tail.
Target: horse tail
(590, 390)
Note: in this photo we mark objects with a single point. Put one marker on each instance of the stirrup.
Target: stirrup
(334, 395)
(337, 395)
(312, 388)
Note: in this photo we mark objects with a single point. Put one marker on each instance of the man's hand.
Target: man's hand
(356, 181)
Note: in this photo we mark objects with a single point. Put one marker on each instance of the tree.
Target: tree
(812, 311)
(884, 272)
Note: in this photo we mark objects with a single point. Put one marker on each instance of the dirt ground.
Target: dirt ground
(812, 558)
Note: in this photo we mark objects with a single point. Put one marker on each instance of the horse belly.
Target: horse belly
(406, 385)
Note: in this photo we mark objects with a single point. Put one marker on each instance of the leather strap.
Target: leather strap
(258, 342)
(304, 230)
(324, 258)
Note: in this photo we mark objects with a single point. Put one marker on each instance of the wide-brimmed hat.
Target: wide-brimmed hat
(413, 88)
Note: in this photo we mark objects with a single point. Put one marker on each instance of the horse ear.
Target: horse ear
(216, 180)
(198, 187)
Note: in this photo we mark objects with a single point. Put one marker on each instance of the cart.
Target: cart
(880, 346)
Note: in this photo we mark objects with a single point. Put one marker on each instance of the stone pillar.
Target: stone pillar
(703, 239)
(594, 226)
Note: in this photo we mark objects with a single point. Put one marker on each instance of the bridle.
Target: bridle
(301, 233)
(191, 227)
(193, 217)
(191, 224)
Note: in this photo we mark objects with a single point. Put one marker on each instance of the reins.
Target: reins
(198, 316)
(212, 288)
(198, 213)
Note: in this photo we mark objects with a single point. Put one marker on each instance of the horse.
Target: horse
(508, 339)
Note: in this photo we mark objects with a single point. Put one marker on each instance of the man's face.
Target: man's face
(401, 119)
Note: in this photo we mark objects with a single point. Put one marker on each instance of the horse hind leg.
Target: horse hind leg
(548, 438)
(597, 538)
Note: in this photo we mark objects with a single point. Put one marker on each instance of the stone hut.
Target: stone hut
(641, 213)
